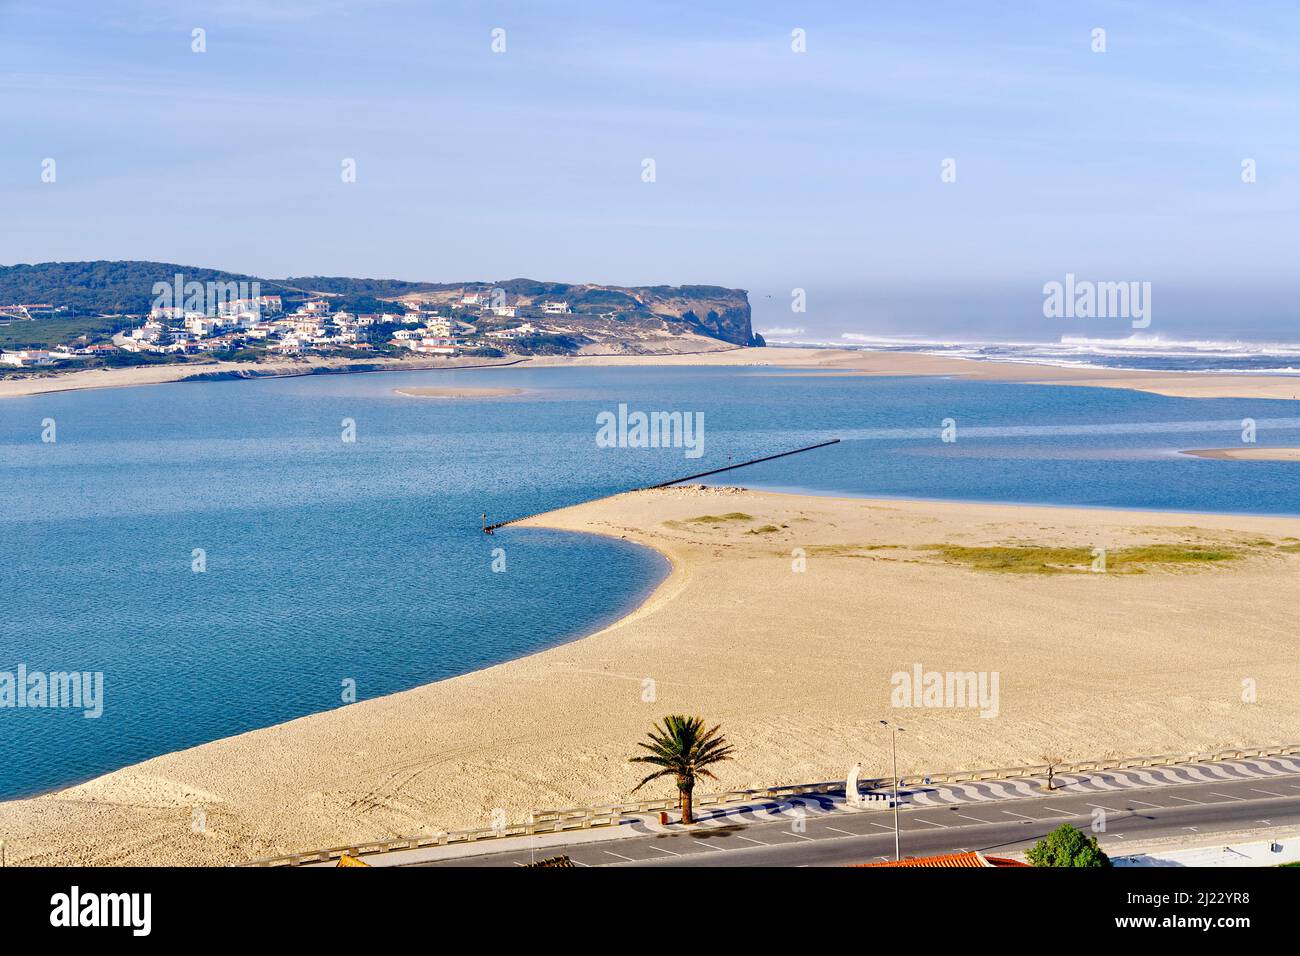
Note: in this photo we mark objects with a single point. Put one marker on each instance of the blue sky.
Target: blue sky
(775, 169)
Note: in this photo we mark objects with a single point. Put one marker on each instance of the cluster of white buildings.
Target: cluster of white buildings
(260, 320)
(240, 322)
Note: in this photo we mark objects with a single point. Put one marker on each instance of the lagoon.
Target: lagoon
(334, 568)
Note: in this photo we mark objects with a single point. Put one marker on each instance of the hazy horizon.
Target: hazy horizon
(775, 170)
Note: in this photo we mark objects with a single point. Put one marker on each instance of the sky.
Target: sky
(774, 170)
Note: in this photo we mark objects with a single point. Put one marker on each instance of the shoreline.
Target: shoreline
(721, 635)
(179, 374)
(1245, 453)
(851, 362)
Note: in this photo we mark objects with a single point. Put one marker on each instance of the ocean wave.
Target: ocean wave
(1137, 352)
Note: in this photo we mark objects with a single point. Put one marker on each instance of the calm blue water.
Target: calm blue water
(330, 561)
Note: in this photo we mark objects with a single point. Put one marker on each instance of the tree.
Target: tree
(684, 750)
(1051, 760)
(1066, 846)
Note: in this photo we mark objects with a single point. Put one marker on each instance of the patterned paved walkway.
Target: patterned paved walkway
(941, 795)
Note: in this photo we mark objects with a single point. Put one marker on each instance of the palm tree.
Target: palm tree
(683, 749)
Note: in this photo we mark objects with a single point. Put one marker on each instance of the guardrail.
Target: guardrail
(586, 818)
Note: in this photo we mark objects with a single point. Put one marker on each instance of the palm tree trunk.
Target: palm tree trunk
(687, 816)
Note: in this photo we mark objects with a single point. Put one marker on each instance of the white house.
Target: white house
(27, 358)
(434, 346)
(515, 333)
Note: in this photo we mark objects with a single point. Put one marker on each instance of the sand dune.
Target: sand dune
(796, 665)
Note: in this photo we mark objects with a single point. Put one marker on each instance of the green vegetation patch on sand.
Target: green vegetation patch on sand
(719, 519)
(1044, 560)
(709, 521)
(849, 550)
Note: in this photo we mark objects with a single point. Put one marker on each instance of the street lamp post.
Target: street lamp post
(893, 741)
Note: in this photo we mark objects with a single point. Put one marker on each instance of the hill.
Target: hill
(98, 289)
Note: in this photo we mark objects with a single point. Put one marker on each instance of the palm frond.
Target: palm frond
(683, 748)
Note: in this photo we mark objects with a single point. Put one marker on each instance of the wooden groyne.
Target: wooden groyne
(489, 528)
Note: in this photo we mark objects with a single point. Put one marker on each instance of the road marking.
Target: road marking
(976, 819)
(619, 855)
(1227, 796)
(1020, 815)
(1100, 807)
(881, 825)
(1153, 806)
(799, 835)
(838, 830)
(1193, 829)
(662, 850)
(1186, 800)
(748, 840)
(1267, 823)
(1269, 792)
(932, 823)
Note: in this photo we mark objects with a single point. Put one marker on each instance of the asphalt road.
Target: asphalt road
(867, 836)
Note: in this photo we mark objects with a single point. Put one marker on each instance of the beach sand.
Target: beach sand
(828, 361)
(796, 666)
(69, 381)
(1247, 453)
(449, 392)
(855, 362)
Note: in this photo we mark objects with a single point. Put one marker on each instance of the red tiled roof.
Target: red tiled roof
(972, 859)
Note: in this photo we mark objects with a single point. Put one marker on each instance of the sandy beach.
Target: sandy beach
(855, 362)
(829, 361)
(71, 381)
(1247, 453)
(796, 665)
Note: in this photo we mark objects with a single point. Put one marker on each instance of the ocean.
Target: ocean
(228, 560)
(1141, 352)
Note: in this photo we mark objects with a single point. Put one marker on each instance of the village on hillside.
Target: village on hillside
(472, 322)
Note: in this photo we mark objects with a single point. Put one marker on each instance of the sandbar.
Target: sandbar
(796, 665)
(1247, 453)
